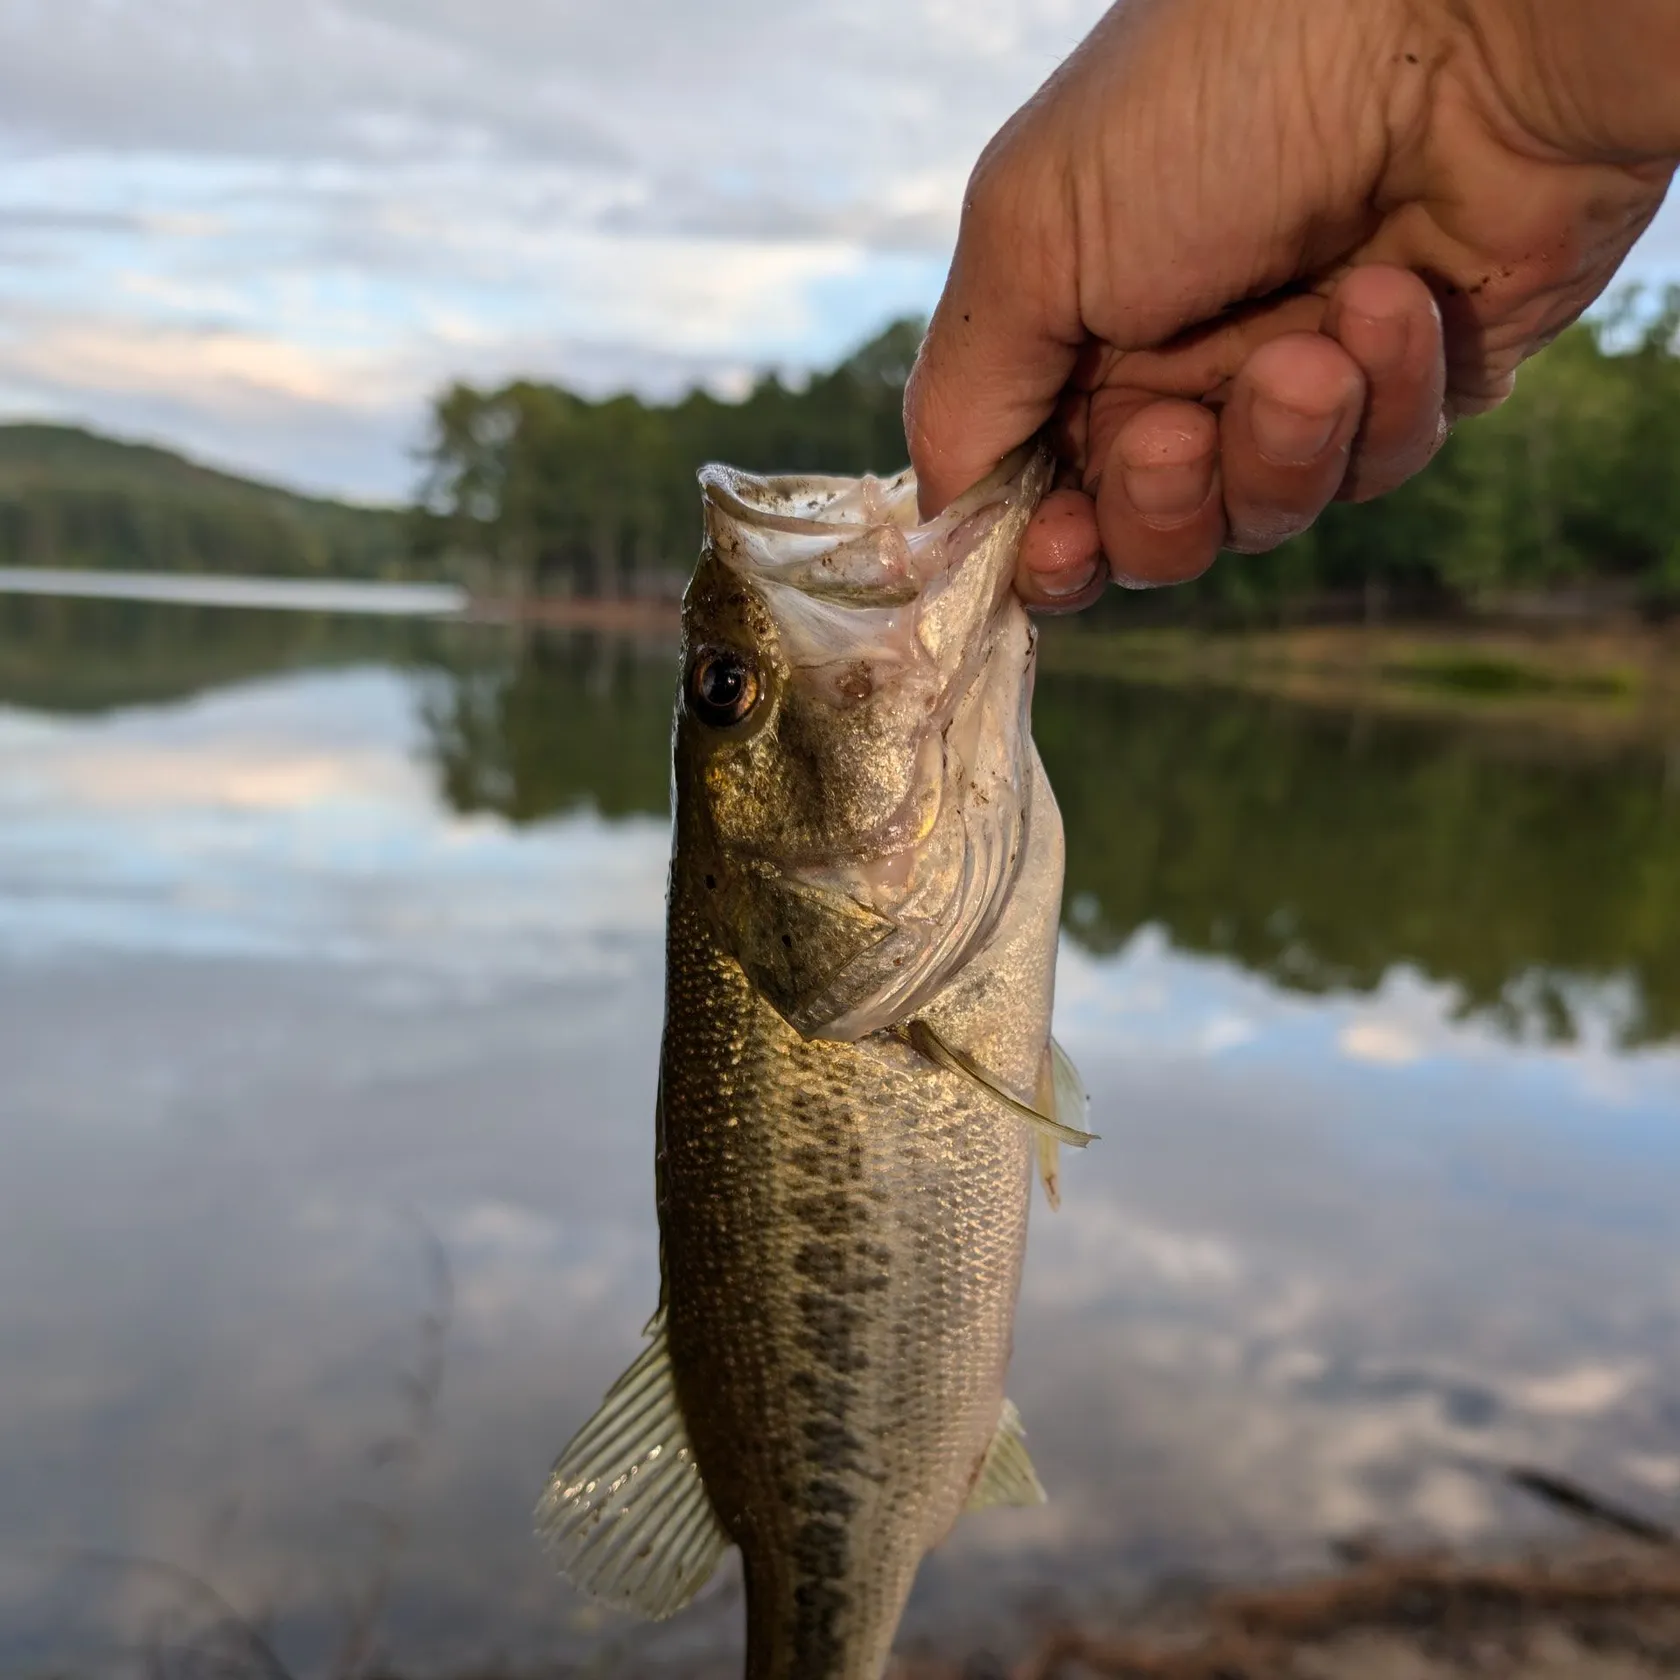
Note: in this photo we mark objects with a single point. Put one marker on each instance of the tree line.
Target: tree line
(1570, 487)
(1569, 490)
(533, 489)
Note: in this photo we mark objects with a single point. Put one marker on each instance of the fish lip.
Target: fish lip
(760, 500)
(857, 543)
(766, 502)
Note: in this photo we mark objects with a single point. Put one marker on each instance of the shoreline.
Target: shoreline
(621, 615)
(1601, 682)
(1606, 1605)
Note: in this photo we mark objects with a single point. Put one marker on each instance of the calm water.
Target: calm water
(329, 1002)
(381, 600)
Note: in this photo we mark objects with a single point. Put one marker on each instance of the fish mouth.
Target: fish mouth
(858, 541)
(856, 580)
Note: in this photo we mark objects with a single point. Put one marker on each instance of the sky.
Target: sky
(267, 231)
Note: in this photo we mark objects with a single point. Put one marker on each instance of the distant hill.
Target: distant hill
(70, 497)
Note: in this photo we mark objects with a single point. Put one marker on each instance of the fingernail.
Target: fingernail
(1059, 585)
(1169, 493)
(1125, 580)
(1288, 437)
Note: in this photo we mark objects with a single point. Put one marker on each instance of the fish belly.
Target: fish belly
(842, 1230)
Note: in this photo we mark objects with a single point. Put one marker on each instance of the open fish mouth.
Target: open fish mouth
(857, 539)
(845, 538)
(851, 573)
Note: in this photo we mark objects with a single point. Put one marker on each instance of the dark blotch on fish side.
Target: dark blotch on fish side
(829, 1265)
(832, 1326)
(827, 1213)
(830, 1395)
(832, 1445)
(820, 1554)
(830, 1498)
(822, 1263)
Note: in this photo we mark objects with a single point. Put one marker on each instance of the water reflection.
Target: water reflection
(1542, 881)
(559, 723)
(369, 938)
(1539, 877)
(60, 654)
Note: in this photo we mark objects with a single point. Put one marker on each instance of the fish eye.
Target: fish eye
(722, 687)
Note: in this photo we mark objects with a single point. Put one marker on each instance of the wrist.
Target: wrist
(1597, 82)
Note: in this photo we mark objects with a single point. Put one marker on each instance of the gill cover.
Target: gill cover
(866, 824)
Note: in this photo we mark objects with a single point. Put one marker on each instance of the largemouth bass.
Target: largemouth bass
(857, 1072)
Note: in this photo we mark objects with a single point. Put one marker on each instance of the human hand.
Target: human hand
(1247, 256)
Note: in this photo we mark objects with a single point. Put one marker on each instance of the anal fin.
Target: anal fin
(1006, 1474)
(625, 1515)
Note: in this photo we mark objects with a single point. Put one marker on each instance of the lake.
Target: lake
(330, 952)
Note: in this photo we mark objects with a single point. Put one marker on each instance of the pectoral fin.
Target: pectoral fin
(1050, 1168)
(927, 1042)
(625, 1515)
(1073, 1105)
(1006, 1474)
(1061, 1092)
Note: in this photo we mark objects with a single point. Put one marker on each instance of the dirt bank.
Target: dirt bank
(628, 615)
(1604, 682)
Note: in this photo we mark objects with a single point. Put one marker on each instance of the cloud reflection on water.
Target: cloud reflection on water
(268, 1002)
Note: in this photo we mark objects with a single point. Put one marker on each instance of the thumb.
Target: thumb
(997, 354)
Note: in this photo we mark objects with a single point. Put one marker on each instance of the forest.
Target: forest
(1568, 495)
(543, 491)
(1570, 489)
(70, 497)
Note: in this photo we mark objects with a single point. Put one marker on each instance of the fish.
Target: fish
(857, 1073)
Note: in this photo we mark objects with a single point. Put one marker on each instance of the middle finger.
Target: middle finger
(1285, 437)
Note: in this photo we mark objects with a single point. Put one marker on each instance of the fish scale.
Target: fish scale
(856, 1070)
(838, 1220)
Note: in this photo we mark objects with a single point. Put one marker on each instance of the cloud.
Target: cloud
(1582, 1390)
(1387, 1043)
(271, 230)
(730, 85)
